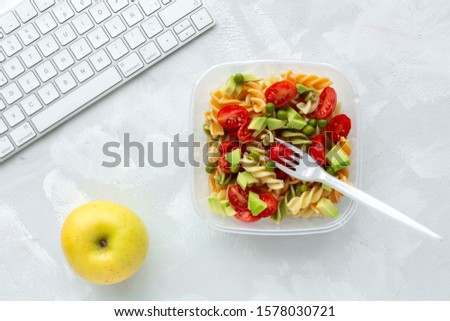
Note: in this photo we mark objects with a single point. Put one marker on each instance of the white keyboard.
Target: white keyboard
(58, 57)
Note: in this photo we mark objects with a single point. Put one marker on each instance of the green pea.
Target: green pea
(270, 166)
(331, 171)
(282, 114)
(322, 123)
(254, 156)
(309, 130)
(210, 168)
(312, 122)
(239, 78)
(303, 188)
(270, 108)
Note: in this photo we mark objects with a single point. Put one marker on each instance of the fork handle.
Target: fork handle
(362, 197)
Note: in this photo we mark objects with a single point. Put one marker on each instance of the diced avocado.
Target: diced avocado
(296, 124)
(301, 89)
(326, 187)
(291, 113)
(238, 89)
(234, 157)
(255, 204)
(250, 77)
(337, 158)
(230, 86)
(274, 123)
(327, 208)
(245, 179)
(215, 205)
(228, 210)
(258, 123)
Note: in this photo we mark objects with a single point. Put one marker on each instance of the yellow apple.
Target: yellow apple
(104, 242)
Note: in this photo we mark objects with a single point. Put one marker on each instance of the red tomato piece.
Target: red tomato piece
(238, 197)
(224, 165)
(317, 149)
(245, 135)
(281, 93)
(327, 103)
(280, 174)
(233, 116)
(272, 205)
(246, 216)
(227, 147)
(279, 151)
(339, 126)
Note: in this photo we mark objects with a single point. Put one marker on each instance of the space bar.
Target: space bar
(76, 99)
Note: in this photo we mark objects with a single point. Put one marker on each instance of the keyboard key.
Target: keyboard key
(130, 64)
(167, 41)
(3, 79)
(80, 49)
(183, 25)
(63, 60)
(22, 134)
(165, 1)
(2, 105)
(76, 99)
(48, 93)
(65, 34)
(98, 37)
(28, 34)
(65, 82)
(48, 45)
(100, 12)
(30, 57)
(117, 49)
(26, 11)
(178, 10)
(6, 146)
(115, 26)
(201, 19)
(28, 82)
(13, 115)
(186, 34)
(63, 12)
(45, 23)
(11, 93)
(83, 23)
(13, 67)
(149, 6)
(3, 127)
(150, 52)
(31, 105)
(2, 57)
(83, 71)
(80, 5)
(117, 5)
(46, 71)
(134, 38)
(44, 4)
(9, 22)
(132, 15)
(11, 45)
(100, 60)
(152, 27)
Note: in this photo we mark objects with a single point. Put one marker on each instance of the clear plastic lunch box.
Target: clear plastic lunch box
(215, 78)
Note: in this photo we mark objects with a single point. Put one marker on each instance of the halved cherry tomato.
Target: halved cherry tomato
(281, 93)
(245, 135)
(271, 202)
(278, 151)
(260, 189)
(339, 126)
(238, 197)
(227, 147)
(317, 149)
(327, 103)
(233, 116)
(224, 165)
(246, 216)
(280, 174)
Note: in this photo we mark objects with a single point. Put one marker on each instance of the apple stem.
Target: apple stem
(103, 243)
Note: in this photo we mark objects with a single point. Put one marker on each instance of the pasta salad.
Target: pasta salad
(245, 117)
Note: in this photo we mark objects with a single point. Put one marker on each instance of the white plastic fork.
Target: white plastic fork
(305, 168)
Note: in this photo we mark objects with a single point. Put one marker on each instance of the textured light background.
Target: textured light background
(396, 52)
